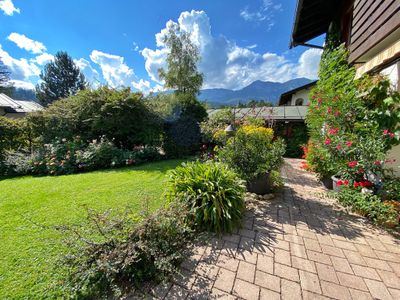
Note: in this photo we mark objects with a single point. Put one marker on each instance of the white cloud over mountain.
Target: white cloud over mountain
(8, 8)
(26, 43)
(224, 63)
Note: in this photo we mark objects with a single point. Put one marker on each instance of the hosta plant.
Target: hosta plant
(213, 193)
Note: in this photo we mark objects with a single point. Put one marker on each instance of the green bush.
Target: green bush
(368, 205)
(213, 193)
(110, 255)
(252, 152)
(13, 135)
(120, 116)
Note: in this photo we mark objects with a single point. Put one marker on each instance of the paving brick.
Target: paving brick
(377, 289)
(269, 295)
(282, 257)
(335, 291)
(354, 257)
(246, 271)
(390, 279)
(366, 250)
(303, 264)
(327, 273)
(298, 250)
(395, 267)
(360, 295)
(247, 233)
(307, 234)
(377, 264)
(344, 245)
(224, 280)
(294, 239)
(246, 290)
(375, 244)
(247, 256)
(395, 293)
(365, 272)
(265, 264)
(352, 281)
(325, 240)
(341, 265)
(218, 294)
(177, 292)
(207, 270)
(333, 251)
(287, 272)
(312, 296)
(228, 263)
(234, 238)
(388, 256)
(268, 281)
(312, 245)
(309, 281)
(246, 243)
(281, 244)
(290, 290)
(319, 257)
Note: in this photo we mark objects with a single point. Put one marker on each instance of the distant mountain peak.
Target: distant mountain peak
(257, 90)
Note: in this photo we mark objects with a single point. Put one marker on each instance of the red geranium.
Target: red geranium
(352, 164)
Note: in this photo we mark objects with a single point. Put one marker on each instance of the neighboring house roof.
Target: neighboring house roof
(312, 19)
(18, 106)
(276, 113)
(287, 96)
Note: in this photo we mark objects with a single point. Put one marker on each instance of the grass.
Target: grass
(30, 207)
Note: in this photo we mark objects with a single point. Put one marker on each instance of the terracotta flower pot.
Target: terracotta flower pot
(260, 185)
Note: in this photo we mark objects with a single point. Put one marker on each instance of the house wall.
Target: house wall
(392, 72)
(1, 111)
(301, 94)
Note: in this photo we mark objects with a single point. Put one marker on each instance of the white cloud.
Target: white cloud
(252, 46)
(309, 63)
(225, 64)
(26, 43)
(43, 58)
(115, 72)
(91, 74)
(8, 8)
(264, 13)
(21, 69)
(142, 85)
(135, 46)
(27, 85)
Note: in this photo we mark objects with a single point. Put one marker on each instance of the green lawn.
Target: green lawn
(28, 251)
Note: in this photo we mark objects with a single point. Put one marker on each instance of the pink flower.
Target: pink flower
(349, 143)
(328, 141)
(337, 113)
(338, 147)
(329, 110)
(333, 131)
(352, 164)
(386, 131)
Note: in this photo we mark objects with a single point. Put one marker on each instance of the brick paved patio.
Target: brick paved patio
(299, 245)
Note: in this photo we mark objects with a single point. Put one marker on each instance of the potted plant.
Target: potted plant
(252, 153)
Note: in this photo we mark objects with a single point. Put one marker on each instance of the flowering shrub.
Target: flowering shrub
(252, 152)
(352, 123)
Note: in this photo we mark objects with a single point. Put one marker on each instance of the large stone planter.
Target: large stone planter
(259, 185)
(327, 182)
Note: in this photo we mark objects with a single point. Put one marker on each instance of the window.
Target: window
(299, 102)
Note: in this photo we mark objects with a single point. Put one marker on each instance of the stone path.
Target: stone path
(300, 245)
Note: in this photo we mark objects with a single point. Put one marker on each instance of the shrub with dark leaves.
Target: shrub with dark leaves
(111, 255)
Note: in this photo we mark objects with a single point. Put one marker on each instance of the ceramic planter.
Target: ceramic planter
(335, 186)
(260, 185)
(327, 182)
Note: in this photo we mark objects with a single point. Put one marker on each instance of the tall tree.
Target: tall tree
(5, 84)
(60, 78)
(182, 74)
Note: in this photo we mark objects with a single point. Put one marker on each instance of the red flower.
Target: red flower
(339, 182)
(319, 101)
(355, 184)
(329, 110)
(333, 131)
(386, 131)
(328, 141)
(337, 113)
(338, 147)
(391, 135)
(346, 182)
(349, 143)
(377, 163)
(352, 164)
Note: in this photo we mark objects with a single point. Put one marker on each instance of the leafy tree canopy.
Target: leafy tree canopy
(5, 85)
(182, 74)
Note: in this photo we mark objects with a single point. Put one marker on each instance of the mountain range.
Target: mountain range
(258, 90)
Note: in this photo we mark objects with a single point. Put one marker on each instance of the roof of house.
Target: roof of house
(276, 113)
(312, 18)
(287, 96)
(18, 106)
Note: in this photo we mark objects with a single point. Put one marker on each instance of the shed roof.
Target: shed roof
(18, 106)
(276, 113)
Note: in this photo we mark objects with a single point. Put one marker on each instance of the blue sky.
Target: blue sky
(120, 43)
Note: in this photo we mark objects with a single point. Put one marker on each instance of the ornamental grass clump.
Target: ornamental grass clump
(213, 193)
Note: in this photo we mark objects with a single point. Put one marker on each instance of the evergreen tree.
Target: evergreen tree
(183, 56)
(5, 85)
(61, 78)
